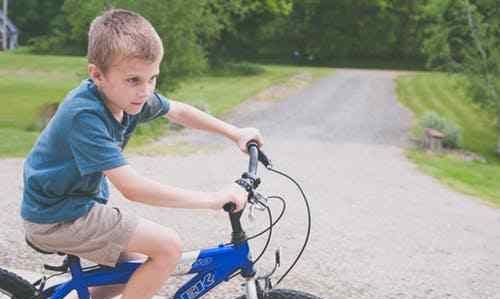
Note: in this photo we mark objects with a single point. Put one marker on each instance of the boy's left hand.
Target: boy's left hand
(244, 135)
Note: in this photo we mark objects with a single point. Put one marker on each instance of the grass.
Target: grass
(29, 82)
(445, 94)
(472, 178)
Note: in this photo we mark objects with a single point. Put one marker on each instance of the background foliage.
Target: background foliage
(453, 35)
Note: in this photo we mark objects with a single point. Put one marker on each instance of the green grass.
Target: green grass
(29, 82)
(472, 178)
(445, 94)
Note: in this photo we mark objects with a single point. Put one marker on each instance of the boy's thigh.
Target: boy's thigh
(100, 236)
(154, 240)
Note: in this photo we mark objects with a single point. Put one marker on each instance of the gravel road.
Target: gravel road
(381, 229)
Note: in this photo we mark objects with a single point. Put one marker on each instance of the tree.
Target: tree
(190, 29)
(35, 17)
(183, 25)
(328, 30)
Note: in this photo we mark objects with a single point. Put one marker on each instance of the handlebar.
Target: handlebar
(249, 180)
(253, 151)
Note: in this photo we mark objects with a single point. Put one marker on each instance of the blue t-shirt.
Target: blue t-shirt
(63, 174)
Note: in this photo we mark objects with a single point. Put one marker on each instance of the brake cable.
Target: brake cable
(262, 158)
(272, 224)
(275, 222)
(308, 233)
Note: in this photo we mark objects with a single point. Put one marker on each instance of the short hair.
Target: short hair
(119, 33)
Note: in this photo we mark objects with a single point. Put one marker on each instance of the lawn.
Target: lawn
(445, 94)
(30, 82)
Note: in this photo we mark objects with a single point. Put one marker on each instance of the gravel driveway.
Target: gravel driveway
(381, 229)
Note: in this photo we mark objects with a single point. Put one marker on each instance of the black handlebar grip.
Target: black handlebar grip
(260, 154)
(252, 143)
(229, 207)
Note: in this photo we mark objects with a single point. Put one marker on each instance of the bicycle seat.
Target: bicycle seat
(41, 250)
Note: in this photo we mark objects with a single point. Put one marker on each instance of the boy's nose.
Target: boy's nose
(145, 91)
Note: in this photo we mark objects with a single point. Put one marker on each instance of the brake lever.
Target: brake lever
(251, 213)
(264, 159)
(260, 201)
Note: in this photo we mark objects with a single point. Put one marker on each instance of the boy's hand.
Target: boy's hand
(244, 135)
(231, 193)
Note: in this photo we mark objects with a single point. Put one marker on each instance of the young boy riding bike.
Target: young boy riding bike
(66, 173)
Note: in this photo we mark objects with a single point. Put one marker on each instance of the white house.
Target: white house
(12, 32)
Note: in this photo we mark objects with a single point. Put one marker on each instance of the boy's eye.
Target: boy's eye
(133, 80)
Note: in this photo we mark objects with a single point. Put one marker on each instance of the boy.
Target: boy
(65, 186)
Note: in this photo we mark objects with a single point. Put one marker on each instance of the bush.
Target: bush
(453, 133)
(237, 69)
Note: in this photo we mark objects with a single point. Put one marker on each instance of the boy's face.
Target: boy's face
(127, 84)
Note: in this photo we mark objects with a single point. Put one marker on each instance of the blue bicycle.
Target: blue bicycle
(210, 266)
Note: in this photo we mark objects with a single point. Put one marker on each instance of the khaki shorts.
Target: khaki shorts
(99, 236)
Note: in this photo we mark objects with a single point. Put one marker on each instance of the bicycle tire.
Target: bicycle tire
(284, 294)
(14, 286)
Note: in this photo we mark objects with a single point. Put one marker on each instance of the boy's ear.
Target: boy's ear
(95, 74)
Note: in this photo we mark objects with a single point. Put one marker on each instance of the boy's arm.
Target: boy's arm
(140, 189)
(194, 118)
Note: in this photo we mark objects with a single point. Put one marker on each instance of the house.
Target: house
(12, 32)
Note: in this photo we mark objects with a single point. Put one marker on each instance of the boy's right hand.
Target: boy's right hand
(231, 193)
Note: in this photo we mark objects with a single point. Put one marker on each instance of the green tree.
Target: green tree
(182, 24)
(190, 29)
(35, 17)
(328, 30)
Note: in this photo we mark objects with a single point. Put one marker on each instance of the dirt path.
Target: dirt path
(381, 229)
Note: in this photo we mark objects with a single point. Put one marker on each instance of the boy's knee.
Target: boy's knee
(170, 249)
(175, 248)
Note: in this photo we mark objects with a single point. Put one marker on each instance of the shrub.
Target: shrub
(453, 133)
(237, 69)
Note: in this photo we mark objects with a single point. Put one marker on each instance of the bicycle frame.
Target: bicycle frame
(211, 266)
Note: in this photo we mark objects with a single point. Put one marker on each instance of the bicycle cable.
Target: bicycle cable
(270, 229)
(275, 222)
(272, 224)
(308, 233)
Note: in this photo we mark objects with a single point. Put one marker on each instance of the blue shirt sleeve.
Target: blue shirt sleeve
(155, 107)
(92, 146)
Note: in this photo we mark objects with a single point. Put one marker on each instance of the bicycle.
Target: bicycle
(211, 266)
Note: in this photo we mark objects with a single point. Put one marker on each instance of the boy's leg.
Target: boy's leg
(106, 292)
(163, 247)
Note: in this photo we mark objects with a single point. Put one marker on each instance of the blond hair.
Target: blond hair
(119, 33)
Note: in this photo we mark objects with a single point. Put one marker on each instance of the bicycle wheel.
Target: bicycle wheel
(13, 286)
(284, 294)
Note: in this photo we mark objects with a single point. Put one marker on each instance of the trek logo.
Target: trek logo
(201, 286)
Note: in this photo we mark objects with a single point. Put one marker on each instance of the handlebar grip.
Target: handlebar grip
(229, 207)
(260, 154)
(252, 143)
